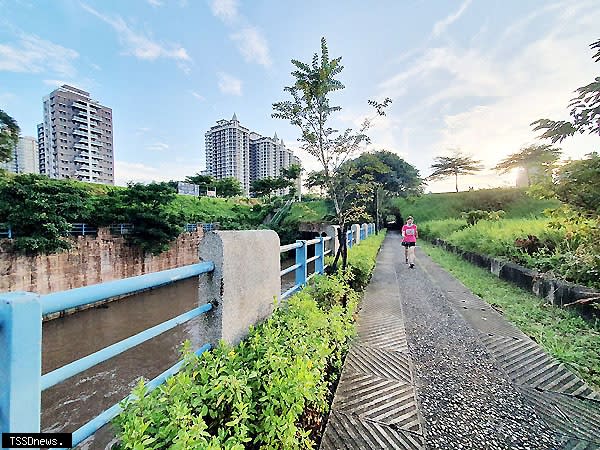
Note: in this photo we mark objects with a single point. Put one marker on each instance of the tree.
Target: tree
(264, 187)
(146, 207)
(316, 179)
(578, 184)
(40, 211)
(457, 164)
(530, 158)
(585, 111)
(228, 187)
(386, 175)
(292, 172)
(9, 136)
(203, 181)
(310, 110)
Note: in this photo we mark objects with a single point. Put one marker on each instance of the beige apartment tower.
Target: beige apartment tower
(75, 140)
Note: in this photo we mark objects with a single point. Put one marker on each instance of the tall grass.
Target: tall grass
(497, 238)
(515, 202)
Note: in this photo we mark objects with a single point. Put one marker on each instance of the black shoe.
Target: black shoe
(407, 261)
(412, 266)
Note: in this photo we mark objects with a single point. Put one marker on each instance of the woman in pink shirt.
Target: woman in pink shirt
(409, 240)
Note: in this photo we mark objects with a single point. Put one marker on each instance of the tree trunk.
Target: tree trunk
(456, 176)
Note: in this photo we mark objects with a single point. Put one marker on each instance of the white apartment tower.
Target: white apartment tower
(25, 158)
(228, 151)
(75, 139)
(234, 151)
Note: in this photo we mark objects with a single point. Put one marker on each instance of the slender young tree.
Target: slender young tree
(311, 111)
(540, 158)
(455, 165)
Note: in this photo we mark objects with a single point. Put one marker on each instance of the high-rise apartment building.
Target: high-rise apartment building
(75, 139)
(228, 151)
(234, 151)
(25, 158)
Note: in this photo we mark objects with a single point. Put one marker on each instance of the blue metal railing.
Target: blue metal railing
(301, 266)
(21, 316)
(82, 229)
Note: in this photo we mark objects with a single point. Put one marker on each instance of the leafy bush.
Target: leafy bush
(474, 216)
(361, 260)
(440, 228)
(40, 211)
(263, 393)
(270, 391)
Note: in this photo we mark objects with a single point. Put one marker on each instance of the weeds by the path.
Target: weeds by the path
(563, 333)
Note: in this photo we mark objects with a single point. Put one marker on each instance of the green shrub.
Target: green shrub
(361, 260)
(270, 391)
(440, 228)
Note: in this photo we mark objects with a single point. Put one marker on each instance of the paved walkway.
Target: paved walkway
(435, 367)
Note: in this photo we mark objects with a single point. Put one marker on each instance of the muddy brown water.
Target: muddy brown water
(72, 403)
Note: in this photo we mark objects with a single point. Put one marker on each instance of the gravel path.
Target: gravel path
(466, 401)
(435, 367)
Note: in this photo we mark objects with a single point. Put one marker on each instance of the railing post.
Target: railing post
(83, 229)
(301, 259)
(9, 232)
(20, 362)
(320, 252)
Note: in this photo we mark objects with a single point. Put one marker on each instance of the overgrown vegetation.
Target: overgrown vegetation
(273, 390)
(557, 241)
(563, 333)
(40, 211)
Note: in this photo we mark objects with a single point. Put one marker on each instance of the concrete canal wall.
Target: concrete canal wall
(92, 260)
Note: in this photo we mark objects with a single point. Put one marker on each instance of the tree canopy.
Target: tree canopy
(455, 165)
(578, 184)
(585, 111)
(9, 136)
(228, 187)
(540, 157)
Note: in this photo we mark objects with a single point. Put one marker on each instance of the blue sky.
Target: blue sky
(469, 75)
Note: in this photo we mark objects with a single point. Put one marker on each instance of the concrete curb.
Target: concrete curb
(554, 291)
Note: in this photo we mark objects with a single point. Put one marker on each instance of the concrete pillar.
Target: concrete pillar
(244, 284)
(356, 232)
(365, 230)
(334, 243)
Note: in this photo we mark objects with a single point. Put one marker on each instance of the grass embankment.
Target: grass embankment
(563, 333)
(514, 202)
(273, 390)
(562, 245)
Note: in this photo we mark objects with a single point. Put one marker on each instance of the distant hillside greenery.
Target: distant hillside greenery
(507, 223)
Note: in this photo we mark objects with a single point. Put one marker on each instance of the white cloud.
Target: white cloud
(226, 10)
(139, 45)
(157, 147)
(177, 169)
(155, 3)
(483, 100)
(32, 54)
(441, 25)
(198, 96)
(248, 39)
(229, 84)
(252, 45)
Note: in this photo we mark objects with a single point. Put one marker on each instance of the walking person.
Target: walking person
(409, 240)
